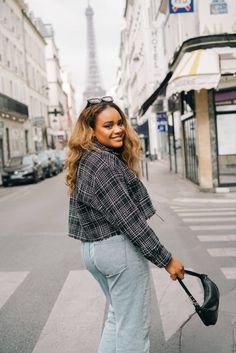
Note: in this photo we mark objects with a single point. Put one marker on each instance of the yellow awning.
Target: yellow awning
(196, 70)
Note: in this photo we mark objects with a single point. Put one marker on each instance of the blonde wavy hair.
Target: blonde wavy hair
(82, 140)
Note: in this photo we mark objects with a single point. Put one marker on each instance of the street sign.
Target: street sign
(1, 124)
(162, 128)
(180, 6)
(161, 117)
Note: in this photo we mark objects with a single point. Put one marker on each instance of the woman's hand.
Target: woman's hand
(175, 268)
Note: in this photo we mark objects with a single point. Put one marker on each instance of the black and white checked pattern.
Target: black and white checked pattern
(110, 199)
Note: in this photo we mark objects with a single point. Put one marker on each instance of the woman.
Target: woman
(109, 208)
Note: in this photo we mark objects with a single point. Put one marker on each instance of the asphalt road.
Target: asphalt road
(49, 303)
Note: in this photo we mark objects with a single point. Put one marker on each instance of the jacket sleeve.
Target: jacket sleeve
(111, 198)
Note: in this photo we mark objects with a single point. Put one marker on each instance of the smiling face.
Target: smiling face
(109, 128)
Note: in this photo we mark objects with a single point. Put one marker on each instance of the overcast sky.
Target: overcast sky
(69, 23)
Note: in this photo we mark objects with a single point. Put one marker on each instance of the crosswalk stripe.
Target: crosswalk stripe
(222, 252)
(229, 237)
(204, 201)
(229, 272)
(186, 214)
(180, 307)
(214, 227)
(203, 220)
(182, 209)
(9, 281)
(79, 309)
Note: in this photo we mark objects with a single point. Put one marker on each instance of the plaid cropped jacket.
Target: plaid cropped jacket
(109, 200)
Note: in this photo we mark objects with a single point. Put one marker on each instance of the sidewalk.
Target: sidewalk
(168, 186)
(171, 189)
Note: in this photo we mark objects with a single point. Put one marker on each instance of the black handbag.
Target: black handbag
(208, 311)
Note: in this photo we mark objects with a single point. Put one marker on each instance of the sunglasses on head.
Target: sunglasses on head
(97, 100)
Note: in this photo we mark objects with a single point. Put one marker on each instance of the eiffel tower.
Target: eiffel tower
(93, 85)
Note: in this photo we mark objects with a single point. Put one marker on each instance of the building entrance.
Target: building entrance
(191, 159)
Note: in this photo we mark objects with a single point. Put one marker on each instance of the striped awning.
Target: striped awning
(196, 70)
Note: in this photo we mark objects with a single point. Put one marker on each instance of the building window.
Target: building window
(226, 132)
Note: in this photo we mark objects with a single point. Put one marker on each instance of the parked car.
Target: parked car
(49, 167)
(62, 156)
(57, 163)
(22, 169)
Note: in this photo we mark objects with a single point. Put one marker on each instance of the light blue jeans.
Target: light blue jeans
(124, 276)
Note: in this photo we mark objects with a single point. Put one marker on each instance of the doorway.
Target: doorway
(191, 158)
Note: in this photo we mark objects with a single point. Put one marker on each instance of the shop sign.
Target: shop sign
(161, 117)
(38, 121)
(155, 52)
(180, 6)
(218, 7)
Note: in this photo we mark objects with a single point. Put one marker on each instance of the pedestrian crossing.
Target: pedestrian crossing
(75, 322)
(213, 226)
(79, 309)
(9, 282)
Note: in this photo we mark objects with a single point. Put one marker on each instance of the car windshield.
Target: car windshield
(27, 160)
(43, 156)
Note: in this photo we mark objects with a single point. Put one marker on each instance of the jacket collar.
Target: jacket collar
(116, 151)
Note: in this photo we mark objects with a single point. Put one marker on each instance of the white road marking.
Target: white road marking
(189, 209)
(222, 252)
(203, 213)
(214, 227)
(229, 237)
(215, 200)
(78, 310)
(203, 220)
(173, 301)
(9, 281)
(229, 272)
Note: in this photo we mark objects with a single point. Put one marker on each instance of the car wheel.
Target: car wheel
(5, 184)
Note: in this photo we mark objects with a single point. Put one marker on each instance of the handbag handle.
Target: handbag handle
(192, 273)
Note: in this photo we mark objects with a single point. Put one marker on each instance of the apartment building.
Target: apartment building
(193, 101)
(23, 82)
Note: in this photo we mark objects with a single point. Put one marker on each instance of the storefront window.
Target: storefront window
(226, 132)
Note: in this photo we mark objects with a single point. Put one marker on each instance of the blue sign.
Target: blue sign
(180, 6)
(162, 128)
(218, 7)
(161, 117)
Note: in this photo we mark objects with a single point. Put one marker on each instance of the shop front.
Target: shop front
(203, 81)
(200, 89)
(225, 115)
(14, 129)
